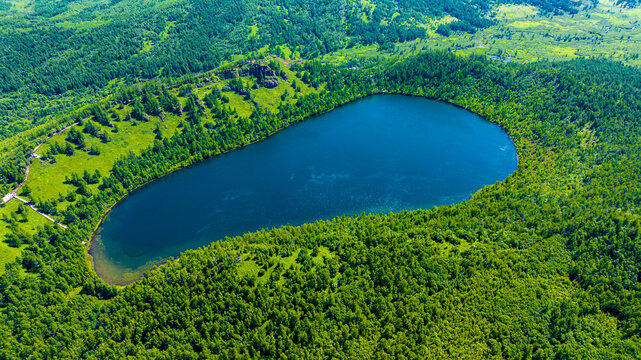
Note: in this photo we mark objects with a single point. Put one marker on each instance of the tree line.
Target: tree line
(541, 265)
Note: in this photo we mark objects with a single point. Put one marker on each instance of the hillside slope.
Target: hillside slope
(541, 265)
(59, 54)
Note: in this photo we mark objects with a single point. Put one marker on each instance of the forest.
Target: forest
(541, 265)
(61, 54)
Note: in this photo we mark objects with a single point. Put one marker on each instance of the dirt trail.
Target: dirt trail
(39, 212)
(12, 194)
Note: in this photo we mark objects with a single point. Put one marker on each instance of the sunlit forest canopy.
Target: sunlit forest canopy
(541, 265)
(99, 98)
(61, 48)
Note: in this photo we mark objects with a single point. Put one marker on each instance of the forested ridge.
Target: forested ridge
(541, 265)
(59, 54)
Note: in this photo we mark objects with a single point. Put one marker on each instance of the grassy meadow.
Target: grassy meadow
(523, 34)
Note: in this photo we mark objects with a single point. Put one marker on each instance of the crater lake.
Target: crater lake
(385, 153)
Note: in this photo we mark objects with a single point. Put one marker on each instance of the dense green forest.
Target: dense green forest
(541, 265)
(60, 54)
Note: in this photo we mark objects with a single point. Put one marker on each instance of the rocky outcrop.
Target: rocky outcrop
(229, 74)
(266, 75)
(270, 83)
(257, 70)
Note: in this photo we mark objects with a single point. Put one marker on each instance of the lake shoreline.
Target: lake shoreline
(91, 246)
(90, 240)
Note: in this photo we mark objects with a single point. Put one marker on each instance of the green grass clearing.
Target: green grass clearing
(28, 221)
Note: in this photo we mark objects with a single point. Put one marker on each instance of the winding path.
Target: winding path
(38, 211)
(12, 194)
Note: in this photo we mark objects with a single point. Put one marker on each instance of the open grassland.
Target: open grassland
(606, 31)
(14, 213)
(510, 12)
(523, 34)
(46, 180)
(8, 254)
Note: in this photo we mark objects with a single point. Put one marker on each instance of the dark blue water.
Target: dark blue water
(378, 155)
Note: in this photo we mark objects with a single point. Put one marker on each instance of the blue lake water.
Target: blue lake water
(382, 154)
